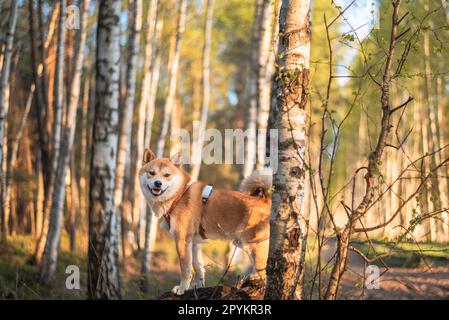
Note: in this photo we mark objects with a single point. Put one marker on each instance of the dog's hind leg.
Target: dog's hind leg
(184, 248)
(198, 266)
(258, 253)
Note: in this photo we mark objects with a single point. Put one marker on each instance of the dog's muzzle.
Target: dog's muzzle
(156, 191)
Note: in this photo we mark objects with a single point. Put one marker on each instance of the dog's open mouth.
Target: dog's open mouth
(156, 191)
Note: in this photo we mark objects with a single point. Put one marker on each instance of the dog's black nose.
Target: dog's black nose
(157, 184)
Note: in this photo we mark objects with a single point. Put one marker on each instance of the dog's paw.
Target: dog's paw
(178, 290)
(197, 283)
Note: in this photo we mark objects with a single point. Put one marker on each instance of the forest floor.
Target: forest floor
(406, 274)
(412, 271)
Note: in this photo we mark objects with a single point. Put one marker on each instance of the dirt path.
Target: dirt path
(402, 283)
(395, 283)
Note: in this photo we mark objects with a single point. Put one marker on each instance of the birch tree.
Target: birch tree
(4, 77)
(251, 117)
(151, 232)
(125, 132)
(288, 222)
(373, 167)
(198, 142)
(438, 186)
(173, 77)
(103, 273)
(267, 57)
(148, 65)
(50, 255)
(43, 110)
(151, 221)
(57, 127)
(155, 73)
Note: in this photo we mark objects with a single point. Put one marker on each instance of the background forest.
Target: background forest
(216, 62)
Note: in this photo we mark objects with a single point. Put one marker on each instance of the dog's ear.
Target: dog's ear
(148, 155)
(176, 159)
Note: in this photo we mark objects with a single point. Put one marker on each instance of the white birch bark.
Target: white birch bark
(173, 77)
(103, 272)
(57, 127)
(251, 117)
(288, 222)
(267, 58)
(155, 73)
(124, 144)
(437, 185)
(4, 87)
(198, 143)
(50, 255)
(125, 132)
(137, 227)
(151, 231)
(150, 219)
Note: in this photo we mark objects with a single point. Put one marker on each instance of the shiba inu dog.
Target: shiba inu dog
(192, 213)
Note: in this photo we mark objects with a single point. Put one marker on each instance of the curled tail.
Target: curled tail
(258, 183)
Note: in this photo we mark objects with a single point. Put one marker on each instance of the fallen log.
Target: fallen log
(248, 290)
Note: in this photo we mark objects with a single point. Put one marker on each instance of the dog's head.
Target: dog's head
(161, 178)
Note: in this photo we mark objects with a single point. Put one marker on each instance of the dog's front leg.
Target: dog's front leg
(198, 266)
(184, 248)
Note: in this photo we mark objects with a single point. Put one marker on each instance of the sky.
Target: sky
(363, 17)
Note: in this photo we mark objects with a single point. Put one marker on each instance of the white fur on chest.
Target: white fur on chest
(170, 230)
(159, 209)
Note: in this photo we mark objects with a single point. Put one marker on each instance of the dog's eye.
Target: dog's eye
(152, 173)
(167, 175)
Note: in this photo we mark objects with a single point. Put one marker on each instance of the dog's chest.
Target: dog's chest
(169, 229)
(159, 211)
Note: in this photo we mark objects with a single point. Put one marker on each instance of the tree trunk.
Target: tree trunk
(43, 47)
(437, 188)
(56, 140)
(150, 219)
(443, 141)
(173, 76)
(251, 115)
(267, 58)
(4, 77)
(14, 150)
(41, 93)
(155, 72)
(103, 272)
(421, 147)
(40, 196)
(84, 150)
(288, 222)
(50, 256)
(124, 145)
(198, 143)
(151, 23)
(170, 103)
(75, 206)
(42, 112)
(373, 167)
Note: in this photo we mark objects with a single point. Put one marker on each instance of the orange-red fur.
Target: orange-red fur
(242, 217)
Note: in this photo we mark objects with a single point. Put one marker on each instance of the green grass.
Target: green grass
(406, 254)
(19, 276)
